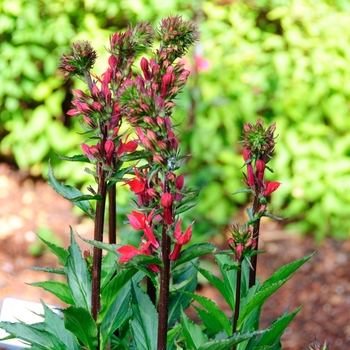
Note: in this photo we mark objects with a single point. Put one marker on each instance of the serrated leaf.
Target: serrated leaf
(105, 246)
(184, 279)
(219, 285)
(273, 334)
(39, 338)
(195, 251)
(78, 276)
(144, 321)
(118, 312)
(61, 290)
(192, 333)
(80, 322)
(86, 197)
(76, 158)
(224, 344)
(47, 269)
(229, 276)
(54, 324)
(113, 288)
(108, 269)
(70, 193)
(286, 271)
(218, 317)
(257, 301)
(60, 252)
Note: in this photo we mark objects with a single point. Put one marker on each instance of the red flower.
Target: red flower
(181, 239)
(270, 187)
(129, 251)
(126, 147)
(139, 221)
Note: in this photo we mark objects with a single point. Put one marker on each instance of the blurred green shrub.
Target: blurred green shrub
(282, 60)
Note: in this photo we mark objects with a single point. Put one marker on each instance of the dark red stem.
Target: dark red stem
(256, 232)
(98, 236)
(164, 286)
(112, 215)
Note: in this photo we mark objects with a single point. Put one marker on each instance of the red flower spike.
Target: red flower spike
(270, 187)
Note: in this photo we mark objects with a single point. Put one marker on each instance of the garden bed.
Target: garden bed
(322, 284)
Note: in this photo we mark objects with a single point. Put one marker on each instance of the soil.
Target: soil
(322, 284)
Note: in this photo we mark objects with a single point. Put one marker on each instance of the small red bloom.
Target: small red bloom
(140, 221)
(129, 251)
(181, 239)
(270, 187)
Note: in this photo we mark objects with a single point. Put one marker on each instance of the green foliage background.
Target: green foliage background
(282, 60)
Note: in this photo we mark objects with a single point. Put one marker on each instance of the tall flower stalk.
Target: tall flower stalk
(102, 119)
(148, 104)
(259, 149)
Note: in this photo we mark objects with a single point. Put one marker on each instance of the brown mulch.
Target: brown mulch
(322, 284)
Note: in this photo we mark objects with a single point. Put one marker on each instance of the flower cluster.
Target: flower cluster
(81, 60)
(258, 151)
(147, 101)
(241, 241)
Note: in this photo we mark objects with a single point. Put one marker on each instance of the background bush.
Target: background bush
(284, 61)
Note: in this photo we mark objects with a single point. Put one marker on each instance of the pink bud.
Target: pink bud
(260, 168)
(270, 187)
(145, 69)
(246, 154)
(112, 61)
(166, 200)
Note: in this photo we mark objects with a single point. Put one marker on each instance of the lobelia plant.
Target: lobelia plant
(136, 297)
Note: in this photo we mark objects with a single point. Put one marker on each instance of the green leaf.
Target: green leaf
(144, 321)
(61, 290)
(195, 251)
(257, 301)
(217, 320)
(224, 344)
(54, 324)
(184, 279)
(108, 269)
(286, 271)
(80, 322)
(47, 269)
(113, 288)
(39, 338)
(70, 193)
(273, 334)
(229, 275)
(76, 158)
(60, 252)
(78, 276)
(117, 313)
(105, 246)
(219, 285)
(192, 333)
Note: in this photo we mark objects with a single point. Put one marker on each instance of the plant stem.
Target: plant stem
(256, 233)
(164, 286)
(237, 302)
(98, 236)
(112, 215)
